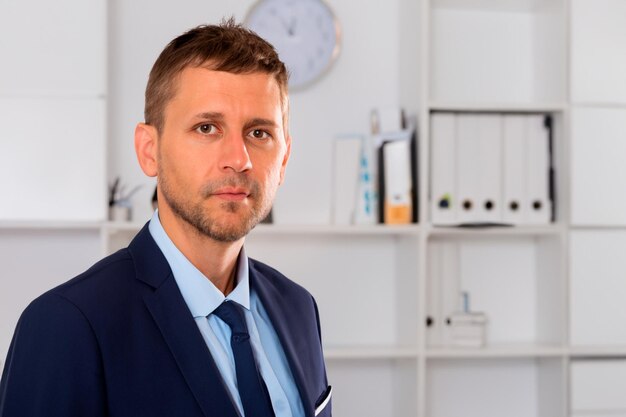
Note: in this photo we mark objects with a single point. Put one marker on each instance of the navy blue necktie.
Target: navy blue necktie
(252, 390)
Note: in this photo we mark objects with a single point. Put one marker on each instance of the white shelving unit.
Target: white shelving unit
(553, 294)
(508, 58)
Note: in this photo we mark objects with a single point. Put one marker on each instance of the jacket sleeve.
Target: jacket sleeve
(54, 366)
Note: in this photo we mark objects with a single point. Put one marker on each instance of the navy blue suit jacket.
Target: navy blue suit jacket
(119, 341)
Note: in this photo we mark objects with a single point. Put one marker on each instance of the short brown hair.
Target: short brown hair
(225, 47)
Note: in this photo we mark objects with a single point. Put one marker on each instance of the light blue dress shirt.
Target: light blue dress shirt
(202, 298)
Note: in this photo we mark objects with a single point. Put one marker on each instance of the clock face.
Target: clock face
(304, 32)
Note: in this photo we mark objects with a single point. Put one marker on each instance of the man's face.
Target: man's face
(222, 152)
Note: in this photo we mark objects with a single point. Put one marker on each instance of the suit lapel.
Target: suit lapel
(169, 311)
(290, 336)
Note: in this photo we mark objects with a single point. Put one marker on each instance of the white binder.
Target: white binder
(434, 315)
(346, 159)
(468, 167)
(489, 187)
(443, 291)
(450, 287)
(443, 196)
(398, 184)
(514, 210)
(538, 200)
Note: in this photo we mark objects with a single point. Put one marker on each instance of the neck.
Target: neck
(220, 266)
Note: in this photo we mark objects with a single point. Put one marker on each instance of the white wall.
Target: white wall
(52, 87)
(366, 75)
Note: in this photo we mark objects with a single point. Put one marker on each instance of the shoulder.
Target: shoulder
(266, 275)
(279, 292)
(94, 295)
(109, 273)
(38, 381)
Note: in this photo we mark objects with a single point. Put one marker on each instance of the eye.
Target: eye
(259, 134)
(206, 129)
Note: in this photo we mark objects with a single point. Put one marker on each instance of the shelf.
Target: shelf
(114, 227)
(497, 351)
(498, 107)
(373, 353)
(597, 351)
(612, 105)
(379, 229)
(501, 5)
(452, 231)
(48, 225)
(598, 227)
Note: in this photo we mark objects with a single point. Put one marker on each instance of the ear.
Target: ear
(146, 137)
(283, 166)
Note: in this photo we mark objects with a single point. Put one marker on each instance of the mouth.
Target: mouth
(232, 194)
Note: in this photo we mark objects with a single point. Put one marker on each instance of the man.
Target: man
(182, 323)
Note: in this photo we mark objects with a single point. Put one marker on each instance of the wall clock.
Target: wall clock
(305, 33)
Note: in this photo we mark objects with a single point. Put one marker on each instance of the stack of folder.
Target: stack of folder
(491, 169)
(375, 177)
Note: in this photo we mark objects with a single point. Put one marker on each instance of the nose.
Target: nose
(235, 155)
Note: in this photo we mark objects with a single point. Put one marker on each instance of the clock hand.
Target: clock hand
(287, 25)
(292, 26)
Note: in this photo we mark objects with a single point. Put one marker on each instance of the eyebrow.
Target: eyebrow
(217, 116)
(260, 122)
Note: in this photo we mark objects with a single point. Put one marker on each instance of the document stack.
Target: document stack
(491, 169)
(374, 177)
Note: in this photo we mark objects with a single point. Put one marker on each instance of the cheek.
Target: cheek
(185, 167)
(276, 171)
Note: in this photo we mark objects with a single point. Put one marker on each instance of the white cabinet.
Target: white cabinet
(513, 280)
(598, 195)
(61, 48)
(598, 61)
(373, 387)
(53, 110)
(598, 287)
(56, 148)
(518, 387)
(486, 52)
(597, 387)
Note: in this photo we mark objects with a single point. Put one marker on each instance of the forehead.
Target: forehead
(197, 86)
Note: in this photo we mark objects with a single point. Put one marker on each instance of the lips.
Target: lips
(232, 193)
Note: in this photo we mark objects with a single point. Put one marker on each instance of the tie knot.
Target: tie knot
(232, 314)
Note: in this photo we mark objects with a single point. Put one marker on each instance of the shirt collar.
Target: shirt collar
(199, 293)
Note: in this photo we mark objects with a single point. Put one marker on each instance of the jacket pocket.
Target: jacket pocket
(323, 403)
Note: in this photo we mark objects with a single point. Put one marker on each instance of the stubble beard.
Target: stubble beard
(206, 222)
